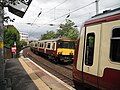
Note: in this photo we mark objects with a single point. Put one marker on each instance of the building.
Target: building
(24, 37)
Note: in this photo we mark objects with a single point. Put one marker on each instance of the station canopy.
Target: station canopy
(19, 7)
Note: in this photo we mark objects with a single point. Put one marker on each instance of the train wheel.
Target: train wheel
(55, 60)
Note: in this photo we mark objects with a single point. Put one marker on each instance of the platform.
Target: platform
(27, 75)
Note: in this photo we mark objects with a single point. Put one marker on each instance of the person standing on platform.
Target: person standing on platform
(13, 50)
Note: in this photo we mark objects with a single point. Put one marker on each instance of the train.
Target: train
(58, 50)
(96, 64)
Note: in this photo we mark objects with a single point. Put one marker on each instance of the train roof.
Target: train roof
(106, 16)
(56, 39)
(49, 40)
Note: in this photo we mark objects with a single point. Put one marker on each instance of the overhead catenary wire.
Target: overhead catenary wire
(84, 13)
(68, 14)
(48, 11)
(70, 11)
(110, 6)
(56, 6)
(73, 11)
(37, 16)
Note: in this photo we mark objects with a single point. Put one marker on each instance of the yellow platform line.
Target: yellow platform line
(38, 82)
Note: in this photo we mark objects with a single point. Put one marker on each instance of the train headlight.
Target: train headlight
(59, 53)
(71, 53)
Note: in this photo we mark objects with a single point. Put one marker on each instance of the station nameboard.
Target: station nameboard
(20, 7)
(1, 44)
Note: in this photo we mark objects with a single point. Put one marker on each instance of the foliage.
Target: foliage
(67, 30)
(13, 1)
(48, 35)
(23, 43)
(11, 35)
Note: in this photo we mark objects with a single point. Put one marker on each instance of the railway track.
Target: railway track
(67, 66)
(63, 72)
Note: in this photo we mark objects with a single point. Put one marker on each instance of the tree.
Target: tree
(67, 30)
(16, 1)
(11, 35)
(48, 35)
(23, 43)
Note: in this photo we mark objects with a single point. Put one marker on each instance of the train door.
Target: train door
(91, 54)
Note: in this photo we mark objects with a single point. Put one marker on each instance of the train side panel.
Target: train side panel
(57, 50)
(90, 50)
(97, 64)
(109, 67)
(51, 48)
(41, 46)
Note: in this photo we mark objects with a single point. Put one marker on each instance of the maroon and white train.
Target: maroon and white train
(97, 57)
(57, 50)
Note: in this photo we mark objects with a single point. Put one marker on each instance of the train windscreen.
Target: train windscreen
(66, 44)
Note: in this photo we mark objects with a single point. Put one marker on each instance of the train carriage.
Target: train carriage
(33, 45)
(97, 58)
(57, 50)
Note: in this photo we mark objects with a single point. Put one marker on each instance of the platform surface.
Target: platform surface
(27, 75)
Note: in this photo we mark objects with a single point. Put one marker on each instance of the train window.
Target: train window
(53, 47)
(42, 44)
(35, 44)
(45, 45)
(89, 49)
(72, 45)
(48, 46)
(66, 44)
(115, 45)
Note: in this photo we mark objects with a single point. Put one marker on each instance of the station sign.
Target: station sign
(1, 44)
(19, 7)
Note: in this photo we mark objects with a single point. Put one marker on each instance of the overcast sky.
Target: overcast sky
(55, 12)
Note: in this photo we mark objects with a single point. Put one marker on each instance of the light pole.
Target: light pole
(2, 62)
(97, 7)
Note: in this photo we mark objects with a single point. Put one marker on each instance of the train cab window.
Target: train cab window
(48, 46)
(89, 49)
(115, 45)
(67, 44)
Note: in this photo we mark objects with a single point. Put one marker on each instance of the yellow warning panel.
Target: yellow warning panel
(1, 44)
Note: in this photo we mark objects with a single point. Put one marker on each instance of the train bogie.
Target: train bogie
(97, 63)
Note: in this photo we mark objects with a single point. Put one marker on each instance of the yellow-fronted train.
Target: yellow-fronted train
(56, 50)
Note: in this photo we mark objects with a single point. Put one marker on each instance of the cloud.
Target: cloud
(53, 15)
